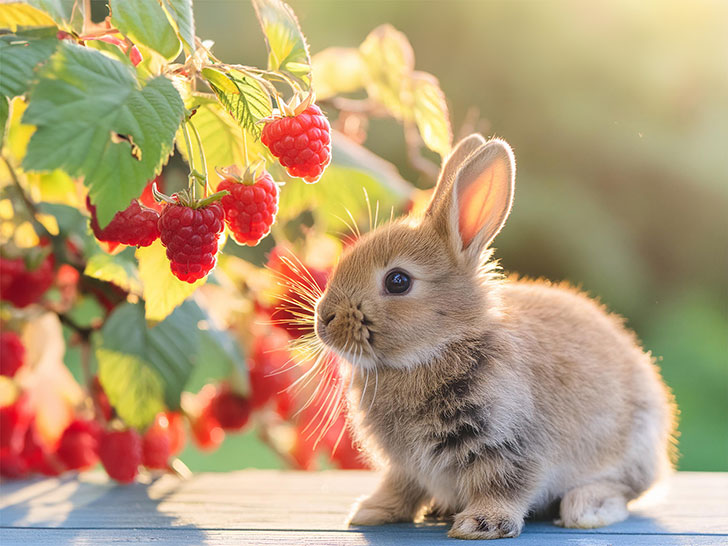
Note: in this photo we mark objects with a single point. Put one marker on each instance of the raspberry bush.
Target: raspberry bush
(135, 168)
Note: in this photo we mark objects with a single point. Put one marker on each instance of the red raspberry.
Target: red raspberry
(147, 197)
(14, 421)
(78, 448)
(250, 209)
(191, 237)
(12, 353)
(12, 465)
(206, 431)
(121, 454)
(231, 410)
(268, 358)
(22, 287)
(302, 143)
(172, 423)
(155, 448)
(134, 226)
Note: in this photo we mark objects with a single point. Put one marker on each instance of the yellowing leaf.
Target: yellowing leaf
(338, 70)
(287, 48)
(17, 14)
(222, 140)
(18, 133)
(146, 23)
(390, 60)
(162, 291)
(118, 269)
(431, 114)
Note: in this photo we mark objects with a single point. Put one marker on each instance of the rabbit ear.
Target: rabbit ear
(477, 203)
(452, 163)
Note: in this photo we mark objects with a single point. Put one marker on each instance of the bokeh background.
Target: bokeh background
(618, 114)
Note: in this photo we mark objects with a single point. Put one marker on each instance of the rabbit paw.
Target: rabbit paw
(485, 526)
(367, 514)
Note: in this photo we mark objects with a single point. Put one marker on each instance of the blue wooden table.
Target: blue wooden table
(271, 507)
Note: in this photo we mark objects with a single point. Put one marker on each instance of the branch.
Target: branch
(419, 162)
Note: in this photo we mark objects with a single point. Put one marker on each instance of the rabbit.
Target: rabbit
(486, 398)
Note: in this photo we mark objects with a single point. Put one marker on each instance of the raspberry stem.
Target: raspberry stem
(202, 153)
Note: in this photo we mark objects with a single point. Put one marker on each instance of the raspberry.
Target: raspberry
(302, 143)
(134, 226)
(147, 197)
(12, 353)
(14, 421)
(250, 209)
(171, 422)
(121, 454)
(206, 431)
(191, 237)
(269, 356)
(36, 455)
(20, 286)
(78, 448)
(155, 448)
(231, 410)
(12, 464)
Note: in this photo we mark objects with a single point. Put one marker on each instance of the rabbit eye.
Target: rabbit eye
(397, 282)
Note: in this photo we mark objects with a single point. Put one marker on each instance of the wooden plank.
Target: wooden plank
(262, 507)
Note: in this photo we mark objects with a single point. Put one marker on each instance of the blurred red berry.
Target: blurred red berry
(37, 457)
(345, 453)
(100, 399)
(21, 286)
(302, 143)
(265, 368)
(78, 448)
(156, 448)
(12, 353)
(121, 454)
(14, 421)
(304, 450)
(175, 427)
(12, 464)
(206, 430)
(231, 410)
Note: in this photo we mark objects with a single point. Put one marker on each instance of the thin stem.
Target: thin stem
(202, 152)
(245, 147)
(191, 156)
(29, 205)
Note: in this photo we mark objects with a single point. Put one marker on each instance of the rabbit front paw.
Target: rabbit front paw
(369, 513)
(479, 526)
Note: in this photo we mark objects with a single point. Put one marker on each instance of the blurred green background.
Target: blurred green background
(618, 114)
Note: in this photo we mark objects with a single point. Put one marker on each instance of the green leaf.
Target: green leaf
(162, 291)
(222, 139)
(63, 12)
(161, 358)
(146, 22)
(4, 115)
(94, 120)
(431, 113)
(119, 269)
(19, 57)
(19, 14)
(180, 13)
(338, 70)
(244, 97)
(390, 60)
(287, 48)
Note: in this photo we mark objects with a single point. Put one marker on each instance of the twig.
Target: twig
(420, 163)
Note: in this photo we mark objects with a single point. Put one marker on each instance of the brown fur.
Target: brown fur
(490, 398)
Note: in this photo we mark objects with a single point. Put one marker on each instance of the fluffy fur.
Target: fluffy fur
(488, 398)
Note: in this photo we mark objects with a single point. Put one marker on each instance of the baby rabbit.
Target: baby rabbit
(488, 398)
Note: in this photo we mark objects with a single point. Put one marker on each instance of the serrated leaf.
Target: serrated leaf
(390, 60)
(20, 14)
(19, 58)
(338, 70)
(162, 291)
(63, 12)
(146, 22)
(222, 140)
(180, 12)
(244, 97)
(287, 48)
(120, 269)
(81, 104)
(431, 114)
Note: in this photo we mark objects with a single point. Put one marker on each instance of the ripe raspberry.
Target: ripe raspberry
(206, 431)
(22, 287)
(36, 454)
(12, 353)
(155, 448)
(78, 448)
(302, 143)
(250, 209)
(231, 410)
(12, 464)
(14, 421)
(134, 226)
(173, 424)
(268, 358)
(121, 454)
(191, 237)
